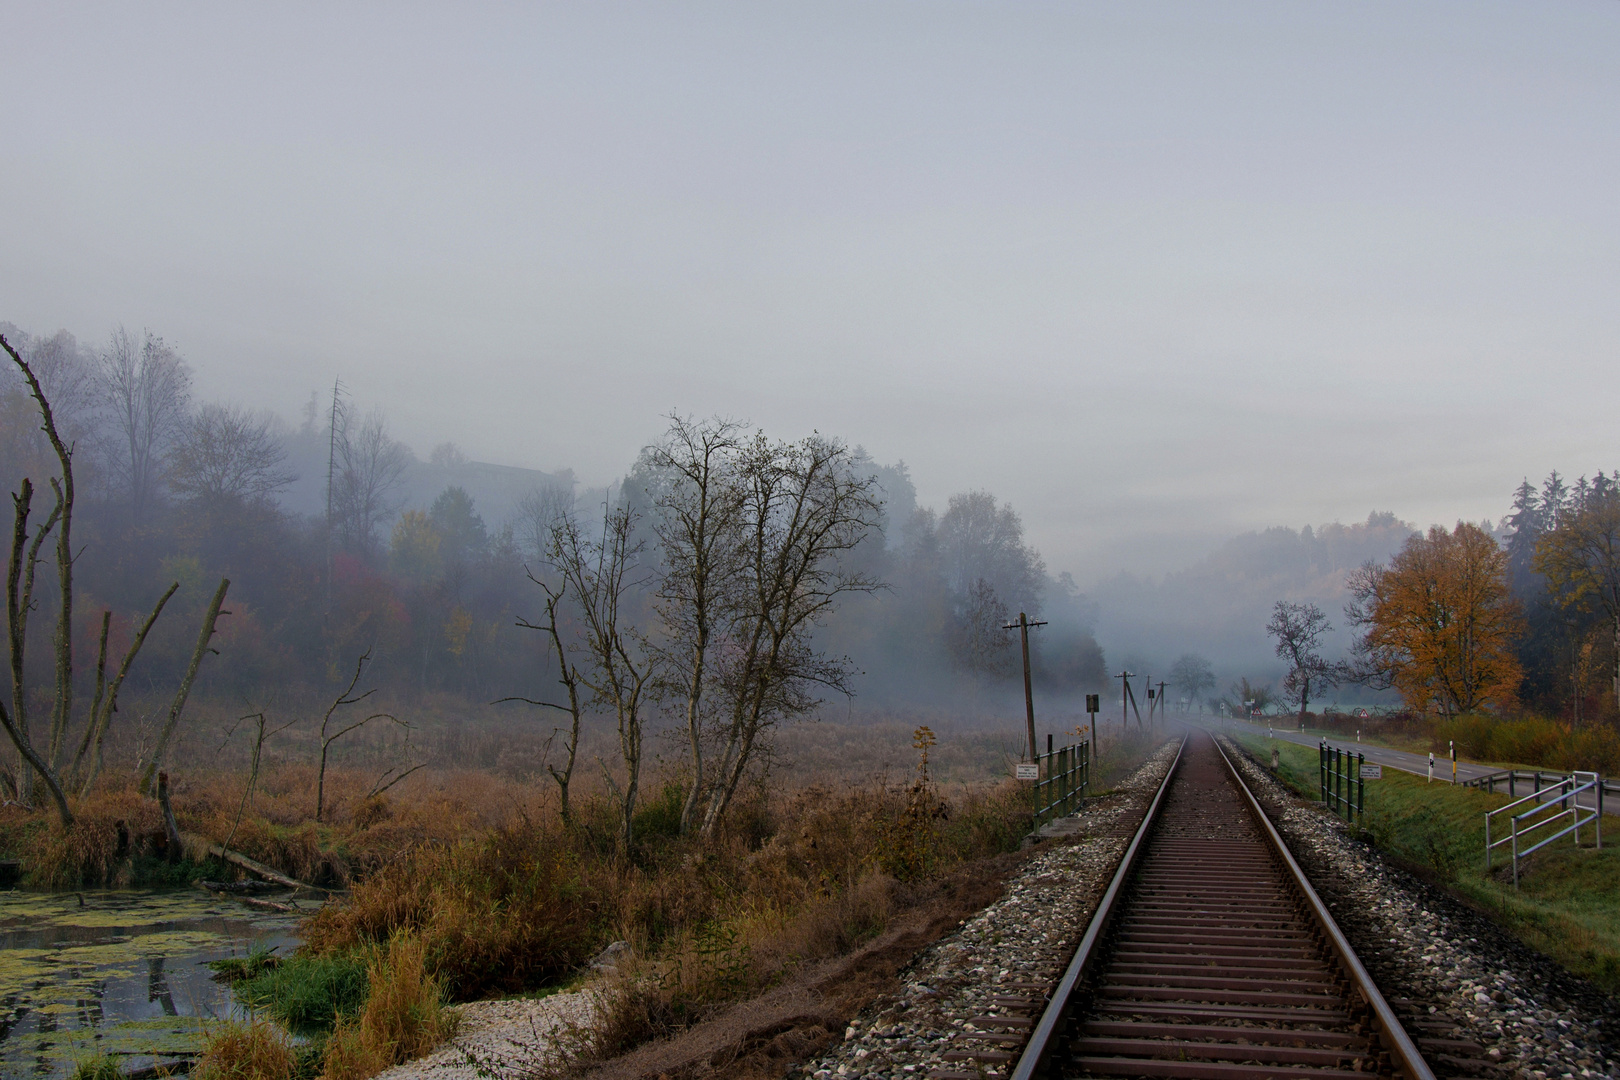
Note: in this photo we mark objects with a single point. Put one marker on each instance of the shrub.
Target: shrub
(308, 993)
(498, 914)
(254, 1051)
(1530, 740)
(404, 1016)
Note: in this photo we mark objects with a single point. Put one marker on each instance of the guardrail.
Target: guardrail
(1343, 790)
(1065, 783)
(1537, 779)
(1566, 793)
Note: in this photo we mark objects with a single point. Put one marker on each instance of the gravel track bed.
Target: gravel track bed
(1534, 1018)
(1027, 936)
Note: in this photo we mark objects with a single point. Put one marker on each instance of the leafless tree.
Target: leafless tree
(601, 571)
(146, 389)
(804, 510)
(368, 468)
(1298, 629)
(330, 734)
(978, 637)
(227, 454)
(536, 513)
(1192, 675)
(210, 619)
(698, 496)
(569, 677)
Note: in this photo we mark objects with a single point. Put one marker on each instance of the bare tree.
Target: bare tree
(571, 682)
(1191, 674)
(331, 734)
(601, 572)
(146, 388)
(227, 454)
(804, 510)
(210, 618)
(536, 513)
(1298, 629)
(699, 501)
(87, 762)
(367, 469)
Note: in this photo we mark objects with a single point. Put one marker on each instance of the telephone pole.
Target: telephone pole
(1127, 700)
(1022, 626)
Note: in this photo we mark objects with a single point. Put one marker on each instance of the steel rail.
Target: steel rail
(1052, 1016)
(1392, 1035)
(1406, 1059)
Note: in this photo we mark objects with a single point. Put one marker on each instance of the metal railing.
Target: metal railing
(1343, 790)
(1535, 780)
(1566, 793)
(1065, 782)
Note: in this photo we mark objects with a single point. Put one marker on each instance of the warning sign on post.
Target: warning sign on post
(1027, 772)
(1369, 771)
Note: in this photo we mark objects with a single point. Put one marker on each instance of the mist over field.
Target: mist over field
(1141, 320)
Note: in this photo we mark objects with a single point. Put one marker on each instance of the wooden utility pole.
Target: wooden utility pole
(1022, 626)
(1127, 700)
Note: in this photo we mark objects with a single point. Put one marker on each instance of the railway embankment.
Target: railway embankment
(1020, 942)
(1446, 967)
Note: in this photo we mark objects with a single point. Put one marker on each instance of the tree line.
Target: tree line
(1461, 622)
(629, 605)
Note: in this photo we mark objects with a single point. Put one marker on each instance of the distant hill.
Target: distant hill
(1219, 606)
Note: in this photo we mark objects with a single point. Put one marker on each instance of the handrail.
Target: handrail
(1565, 791)
(1035, 1049)
(1394, 1036)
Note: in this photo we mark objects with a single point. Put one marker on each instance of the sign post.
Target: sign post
(1093, 706)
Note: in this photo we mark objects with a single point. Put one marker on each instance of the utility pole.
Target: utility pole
(331, 477)
(1164, 706)
(1127, 700)
(1022, 626)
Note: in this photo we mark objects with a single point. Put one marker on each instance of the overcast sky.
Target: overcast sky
(1154, 274)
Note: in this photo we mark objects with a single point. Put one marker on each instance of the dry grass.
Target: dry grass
(404, 1016)
(253, 1051)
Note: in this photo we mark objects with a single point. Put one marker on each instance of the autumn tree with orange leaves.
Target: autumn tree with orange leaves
(1438, 623)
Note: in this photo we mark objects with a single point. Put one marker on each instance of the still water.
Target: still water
(122, 973)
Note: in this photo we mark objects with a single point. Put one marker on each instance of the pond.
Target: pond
(119, 972)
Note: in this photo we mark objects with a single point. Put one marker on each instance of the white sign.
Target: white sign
(1369, 771)
(1027, 772)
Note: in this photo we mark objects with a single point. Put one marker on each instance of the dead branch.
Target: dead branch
(209, 619)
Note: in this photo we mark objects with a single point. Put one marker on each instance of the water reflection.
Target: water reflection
(120, 972)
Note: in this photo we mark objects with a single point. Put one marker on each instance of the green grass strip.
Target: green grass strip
(1568, 902)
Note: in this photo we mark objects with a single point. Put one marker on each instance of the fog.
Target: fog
(1158, 277)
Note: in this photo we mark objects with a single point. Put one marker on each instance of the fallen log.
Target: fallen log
(245, 887)
(252, 866)
(268, 905)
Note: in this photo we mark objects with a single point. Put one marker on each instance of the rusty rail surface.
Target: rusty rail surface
(1209, 956)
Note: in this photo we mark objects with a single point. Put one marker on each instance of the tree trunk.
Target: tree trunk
(184, 692)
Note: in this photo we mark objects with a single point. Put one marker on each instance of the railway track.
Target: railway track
(1210, 956)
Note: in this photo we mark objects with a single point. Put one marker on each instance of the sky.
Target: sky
(1154, 273)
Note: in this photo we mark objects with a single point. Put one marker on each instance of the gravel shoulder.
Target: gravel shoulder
(1026, 937)
(1445, 967)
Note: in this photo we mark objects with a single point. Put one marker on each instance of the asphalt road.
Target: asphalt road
(1391, 758)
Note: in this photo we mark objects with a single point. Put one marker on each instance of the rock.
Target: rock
(608, 960)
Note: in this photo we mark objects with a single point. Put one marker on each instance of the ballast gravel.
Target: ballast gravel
(1025, 937)
(1534, 1020)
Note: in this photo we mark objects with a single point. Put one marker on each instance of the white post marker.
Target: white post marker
(1431, 766)
(1453, 761)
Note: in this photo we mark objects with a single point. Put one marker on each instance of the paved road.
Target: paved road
(1395, 759)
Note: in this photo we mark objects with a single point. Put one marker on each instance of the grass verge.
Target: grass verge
(1567, 905)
